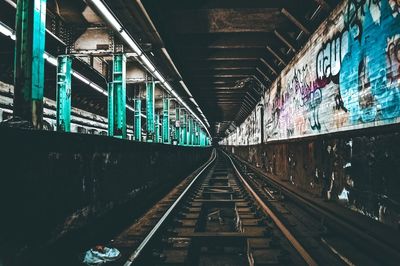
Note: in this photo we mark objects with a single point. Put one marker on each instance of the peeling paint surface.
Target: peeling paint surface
(360, 172)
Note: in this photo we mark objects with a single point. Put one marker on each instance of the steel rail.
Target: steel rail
(145, 241)
(366, 237)
(285, 231)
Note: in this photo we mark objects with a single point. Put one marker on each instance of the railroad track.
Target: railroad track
(223, 215)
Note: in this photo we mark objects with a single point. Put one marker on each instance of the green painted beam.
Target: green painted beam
(196, 134)
(110, 109)
(117, 93)
(138, 119)
(165, 121)
(63, 93)
(157, 128)
(182, 124)
(150, 86)
(189, 131)
(201, 138)
(177, 124)
(29, 62)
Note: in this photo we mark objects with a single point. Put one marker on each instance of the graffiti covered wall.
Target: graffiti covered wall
(346, 77)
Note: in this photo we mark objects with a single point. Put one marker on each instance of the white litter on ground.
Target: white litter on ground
(100, 255)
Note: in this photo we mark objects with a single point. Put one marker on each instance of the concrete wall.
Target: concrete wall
(54, 183)
(346, 77)
(359, 171)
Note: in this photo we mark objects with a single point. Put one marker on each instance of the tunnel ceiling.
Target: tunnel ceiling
(230, 51)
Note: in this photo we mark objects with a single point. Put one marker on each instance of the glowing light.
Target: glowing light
(5, 30)
(107, 14)
(159, 77)
(147, 63)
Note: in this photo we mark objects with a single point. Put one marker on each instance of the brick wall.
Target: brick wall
(346, 77)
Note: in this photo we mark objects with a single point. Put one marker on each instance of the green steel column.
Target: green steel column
(197, 134)
(157, 128)
(63, 93)
(29, 62)
(150, 110)
(177, 125)
(193, 132)
(202, 139)
(119, 96)
(110, 109)
(189, 130)
(138, 119)
(183, 124)
(165, 121)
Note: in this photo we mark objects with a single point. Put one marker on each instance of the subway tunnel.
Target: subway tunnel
(201, 132)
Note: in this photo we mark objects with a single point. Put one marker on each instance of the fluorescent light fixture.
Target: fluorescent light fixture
(107, 14)
(193, 100)
(170, 60)
(147, 63)
(167, 86)
(5, 30)
(131, 43)
(80, 77)
(159, 77)
(186, 88)
(98, 88)
(11, 3)
(51, 59)
(176, 96)
(143, 115)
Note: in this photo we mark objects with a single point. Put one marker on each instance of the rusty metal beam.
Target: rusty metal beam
(285, 39)
(269, 66)
(277, 56)
(263, 74)
(323, 4)
(296, 21)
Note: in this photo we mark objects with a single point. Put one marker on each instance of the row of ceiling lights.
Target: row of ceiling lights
(112, 20)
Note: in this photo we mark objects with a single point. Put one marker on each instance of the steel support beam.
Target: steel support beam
(165, 121)
(197, 134)
(324, 5)
(296, 21)
(184, 127)
(110, 109)
(29, 62)
(269, 66)
(157, 128)
(285, 40)
(178, 124)
(117, 98)
(138, 119)
(190, 131)
(277, 56)
(63, 93)
(150, 86)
